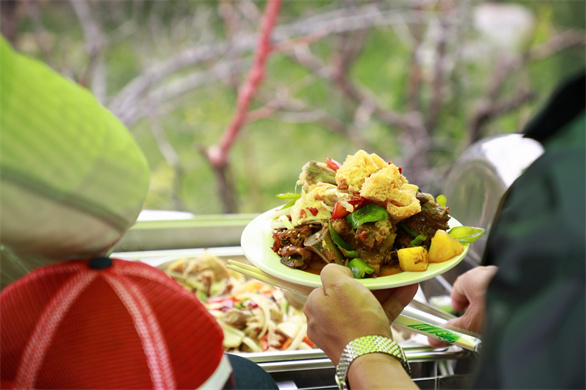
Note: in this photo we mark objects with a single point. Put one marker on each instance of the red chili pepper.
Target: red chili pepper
(313, 211)
(340, 211)
(359, 203)
(264, 342)
(333, 164)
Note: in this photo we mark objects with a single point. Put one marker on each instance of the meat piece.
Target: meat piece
(236, 318)
(292, 237)
(431, 218)
(375, 242)
(206, 278)
(322, 245)
(296, 257)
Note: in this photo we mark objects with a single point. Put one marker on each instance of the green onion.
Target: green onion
(417, 241)
(289, 195)
(287, 205)
(412, 232)
(466, 234)
(441, 200)
(359, 268)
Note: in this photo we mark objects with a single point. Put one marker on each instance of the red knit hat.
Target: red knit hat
(108, 324)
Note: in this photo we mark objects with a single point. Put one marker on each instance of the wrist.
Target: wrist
(378, 371)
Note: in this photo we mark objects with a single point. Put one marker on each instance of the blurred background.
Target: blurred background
(414, 81)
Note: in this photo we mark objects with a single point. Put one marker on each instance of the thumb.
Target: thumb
(332, 275)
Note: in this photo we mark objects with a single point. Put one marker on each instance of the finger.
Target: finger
(405, 294)
(332, 274)
(465, 286)
(400, 297)
(314, 300)
(384, 294)
(456, 322)
(435, 343)
(459, 294)
(471, 285)
(471, 321)
(459, 304)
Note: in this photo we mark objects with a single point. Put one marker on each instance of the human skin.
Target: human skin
(342, 310)
(469, 293)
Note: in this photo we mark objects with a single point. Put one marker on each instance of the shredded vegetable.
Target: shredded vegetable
(254, 316)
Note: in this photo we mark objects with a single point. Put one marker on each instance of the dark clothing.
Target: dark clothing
(535, 331)
(247, 375)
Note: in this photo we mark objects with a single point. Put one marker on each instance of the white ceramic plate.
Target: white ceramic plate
(257, 241)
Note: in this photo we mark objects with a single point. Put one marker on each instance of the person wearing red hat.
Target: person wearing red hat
(112, 324)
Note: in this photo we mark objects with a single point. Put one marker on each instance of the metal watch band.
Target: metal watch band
(362, 346)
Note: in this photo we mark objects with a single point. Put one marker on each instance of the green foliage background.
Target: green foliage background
(269, 153)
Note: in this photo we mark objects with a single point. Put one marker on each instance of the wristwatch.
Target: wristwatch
(362, 346)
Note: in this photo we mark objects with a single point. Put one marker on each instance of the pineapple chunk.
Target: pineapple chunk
(444, 247)
(414, 259)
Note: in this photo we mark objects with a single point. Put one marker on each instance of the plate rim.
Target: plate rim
(259, 231)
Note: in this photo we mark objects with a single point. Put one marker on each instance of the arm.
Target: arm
(343, 310)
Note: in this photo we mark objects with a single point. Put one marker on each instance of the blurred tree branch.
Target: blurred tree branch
(95, 41)
(171, 157)
(217, 155)
(9, 19)
(493, 104)
(284, 37)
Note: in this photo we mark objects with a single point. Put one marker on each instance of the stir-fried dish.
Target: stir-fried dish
(364, 214)
(254, 316)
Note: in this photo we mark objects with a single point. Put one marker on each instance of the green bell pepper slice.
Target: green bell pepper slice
(345, 248)
(359, 268)
(369, 213)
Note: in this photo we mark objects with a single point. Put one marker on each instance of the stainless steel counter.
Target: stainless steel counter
(311, 369)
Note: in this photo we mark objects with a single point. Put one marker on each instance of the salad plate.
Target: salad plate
(257, 240)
